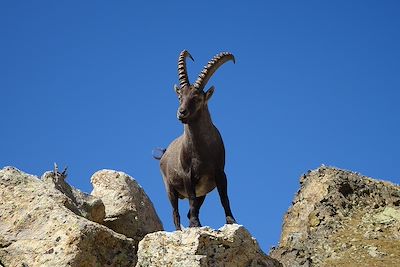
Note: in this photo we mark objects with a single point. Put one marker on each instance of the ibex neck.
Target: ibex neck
(201, 129)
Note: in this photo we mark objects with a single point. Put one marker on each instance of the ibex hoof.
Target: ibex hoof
(230, 220)
(195, 224)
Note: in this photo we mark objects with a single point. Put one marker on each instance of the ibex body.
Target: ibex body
(193, 164)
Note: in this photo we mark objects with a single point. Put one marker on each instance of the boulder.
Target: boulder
(38, 229)
(129, 210)
(341, 218)
(231, 245)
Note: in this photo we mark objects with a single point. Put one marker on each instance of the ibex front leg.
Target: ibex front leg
(222, 186)
(198, 201)
(194, 202)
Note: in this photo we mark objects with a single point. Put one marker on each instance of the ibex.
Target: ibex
(193, 164)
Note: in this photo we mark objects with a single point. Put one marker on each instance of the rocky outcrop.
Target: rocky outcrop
(47, 222)
(129, 211)
(232, 246)
(338, 218)
(40, 226)
(341, 218)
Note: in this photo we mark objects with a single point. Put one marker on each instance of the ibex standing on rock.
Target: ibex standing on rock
(193, 164)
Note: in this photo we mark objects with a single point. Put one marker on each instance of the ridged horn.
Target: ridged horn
(211, 67)
(182, 72)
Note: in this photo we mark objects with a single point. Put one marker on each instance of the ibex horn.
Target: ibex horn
(211, 67)
(182, 72)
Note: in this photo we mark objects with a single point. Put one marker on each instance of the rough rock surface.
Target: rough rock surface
(80, 203)
(40, 226)
(230, 246)
(340, 218)
(129, 211)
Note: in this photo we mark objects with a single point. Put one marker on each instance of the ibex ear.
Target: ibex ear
(177, 89)
(209, 93)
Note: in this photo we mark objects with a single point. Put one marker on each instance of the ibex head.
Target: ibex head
(192, 98)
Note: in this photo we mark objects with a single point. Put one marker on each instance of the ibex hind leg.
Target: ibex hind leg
(222, 186)
(173, 198)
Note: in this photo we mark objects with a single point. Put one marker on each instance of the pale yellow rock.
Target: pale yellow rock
(49, 223)
(388, 215)
(80, 203)
(129, 210)
(230, 246)
(36, 229)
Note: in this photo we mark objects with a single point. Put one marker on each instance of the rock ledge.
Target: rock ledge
(231, 245)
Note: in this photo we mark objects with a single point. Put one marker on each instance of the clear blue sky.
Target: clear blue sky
(90, 85)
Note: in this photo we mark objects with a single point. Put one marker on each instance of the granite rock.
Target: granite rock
(341, 218)
(230, 246)
(129, 210)
(38, 229)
